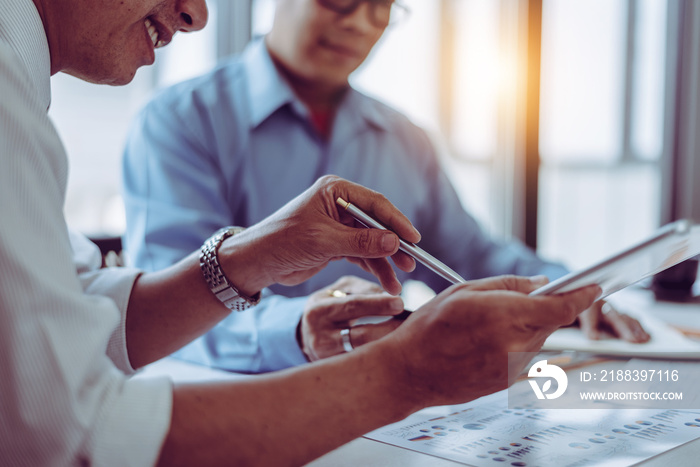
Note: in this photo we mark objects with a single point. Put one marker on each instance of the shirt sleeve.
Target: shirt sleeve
(254, 341)
(114, 283)
(174, 192)
(175, 198)
(62, 400)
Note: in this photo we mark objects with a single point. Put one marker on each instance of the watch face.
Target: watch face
(224, 232)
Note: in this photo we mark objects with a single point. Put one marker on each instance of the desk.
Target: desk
(683, 316)
(366, 452)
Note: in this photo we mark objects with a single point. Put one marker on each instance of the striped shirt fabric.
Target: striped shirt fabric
(66, 396)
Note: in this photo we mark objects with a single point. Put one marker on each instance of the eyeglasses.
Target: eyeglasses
(382, 13)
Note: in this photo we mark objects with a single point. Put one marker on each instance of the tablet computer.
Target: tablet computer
(667, 247)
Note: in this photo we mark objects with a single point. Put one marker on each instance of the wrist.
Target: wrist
(243, 265)
(384, 365)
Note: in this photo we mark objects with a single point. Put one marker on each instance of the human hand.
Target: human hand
(455, 348)
(337, 307)
(301, 238)
(601, 318)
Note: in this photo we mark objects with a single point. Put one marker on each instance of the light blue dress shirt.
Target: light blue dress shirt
(233, 146)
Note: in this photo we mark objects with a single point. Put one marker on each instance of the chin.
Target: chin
(118, 77)
(119, 81)
(336, 78)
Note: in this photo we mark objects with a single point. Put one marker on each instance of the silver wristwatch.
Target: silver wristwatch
(220, 286)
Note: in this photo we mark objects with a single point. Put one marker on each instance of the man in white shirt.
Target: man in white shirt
(71, 333)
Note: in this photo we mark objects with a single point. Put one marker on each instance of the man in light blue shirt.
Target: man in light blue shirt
(232, 146)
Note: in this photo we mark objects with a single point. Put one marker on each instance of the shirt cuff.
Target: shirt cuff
(278, 333)
(116, 284)
(133, 427)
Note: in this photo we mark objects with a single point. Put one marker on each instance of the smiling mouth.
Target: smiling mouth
(155, 34)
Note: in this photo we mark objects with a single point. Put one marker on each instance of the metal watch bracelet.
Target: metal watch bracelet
(217, 281)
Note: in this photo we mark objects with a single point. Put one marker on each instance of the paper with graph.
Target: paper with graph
(486, 433)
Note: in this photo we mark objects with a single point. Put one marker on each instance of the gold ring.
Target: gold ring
(337, 293)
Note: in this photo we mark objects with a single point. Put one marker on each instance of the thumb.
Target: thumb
(509, 282)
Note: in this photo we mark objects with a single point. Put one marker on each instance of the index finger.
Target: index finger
(354, 306)
(377, 206)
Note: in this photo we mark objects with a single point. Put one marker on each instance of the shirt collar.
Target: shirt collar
(269, 91)
(367, 107)
(21, 28)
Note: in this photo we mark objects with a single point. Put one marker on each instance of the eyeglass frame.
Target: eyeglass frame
(375, 4)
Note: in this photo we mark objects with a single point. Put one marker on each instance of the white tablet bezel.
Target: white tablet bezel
(668, 246)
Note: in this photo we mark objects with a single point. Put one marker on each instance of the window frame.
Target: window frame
(516, 194)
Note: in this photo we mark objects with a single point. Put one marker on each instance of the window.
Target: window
(603, 92)
(601, 129)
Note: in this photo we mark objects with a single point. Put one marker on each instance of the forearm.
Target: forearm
(266, 420)
(170, 308)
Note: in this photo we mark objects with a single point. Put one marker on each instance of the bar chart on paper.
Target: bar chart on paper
(487, 433)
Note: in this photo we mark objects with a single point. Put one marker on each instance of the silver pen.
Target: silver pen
(432, 263)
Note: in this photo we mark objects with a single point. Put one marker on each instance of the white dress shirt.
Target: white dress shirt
(65, 397)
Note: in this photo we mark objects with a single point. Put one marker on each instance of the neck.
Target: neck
(44, 9)
(316, 95)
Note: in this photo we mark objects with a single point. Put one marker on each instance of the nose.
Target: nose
(360, 18)
(193, 15)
